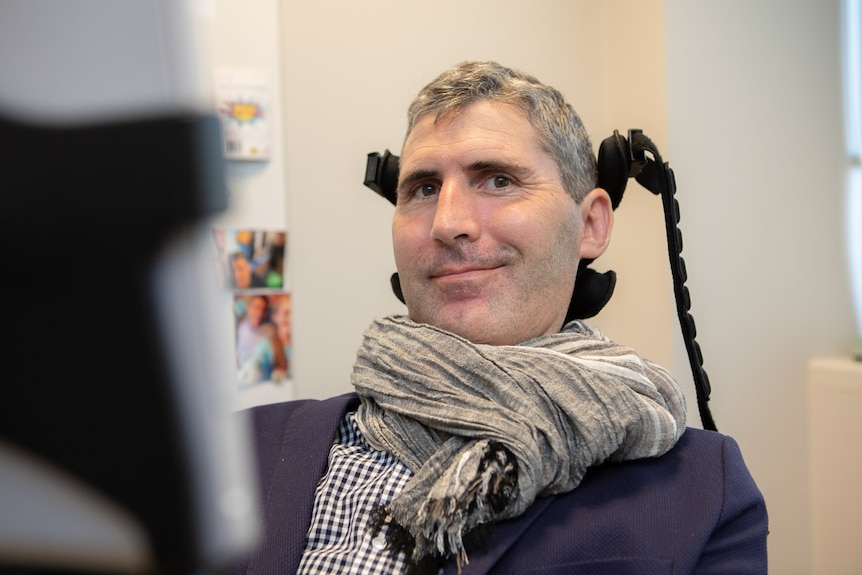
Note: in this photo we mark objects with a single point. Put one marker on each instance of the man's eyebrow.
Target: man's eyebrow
(518, 170)
(406, 181)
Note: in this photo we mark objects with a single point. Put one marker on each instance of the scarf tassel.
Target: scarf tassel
(446, 521)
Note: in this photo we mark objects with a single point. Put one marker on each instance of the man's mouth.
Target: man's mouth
(457, 272)
(462, 274)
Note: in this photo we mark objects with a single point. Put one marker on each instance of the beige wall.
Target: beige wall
(742, 99)
(754, 132)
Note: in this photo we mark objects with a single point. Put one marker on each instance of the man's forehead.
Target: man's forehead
(482, 131)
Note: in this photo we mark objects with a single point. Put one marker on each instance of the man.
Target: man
(489, 437)
(242, 274)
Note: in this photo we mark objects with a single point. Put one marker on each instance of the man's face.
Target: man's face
(255, 310)
(485, 236)
(281, 318)
(241, 272)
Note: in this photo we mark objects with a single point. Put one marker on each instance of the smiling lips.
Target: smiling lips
(461, 271)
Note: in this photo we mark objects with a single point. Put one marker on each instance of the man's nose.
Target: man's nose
(455, 216)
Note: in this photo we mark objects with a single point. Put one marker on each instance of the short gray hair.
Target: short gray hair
(561, 132)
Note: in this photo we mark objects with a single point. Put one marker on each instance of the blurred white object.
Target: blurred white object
(104, 63)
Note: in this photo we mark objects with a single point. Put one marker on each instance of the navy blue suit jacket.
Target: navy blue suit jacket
(694, 510)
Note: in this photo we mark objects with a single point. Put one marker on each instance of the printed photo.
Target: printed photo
(263, 337)
(250, 259)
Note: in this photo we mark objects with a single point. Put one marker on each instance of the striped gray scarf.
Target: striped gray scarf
(487, 429)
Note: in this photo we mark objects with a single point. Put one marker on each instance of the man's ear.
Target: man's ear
(597, 218)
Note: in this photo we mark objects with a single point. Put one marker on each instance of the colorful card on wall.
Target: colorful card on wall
(243, 100)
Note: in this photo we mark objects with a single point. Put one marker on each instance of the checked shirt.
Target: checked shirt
(358, 479)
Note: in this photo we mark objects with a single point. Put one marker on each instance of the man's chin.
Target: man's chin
(472, 322)
(478, 328)
(482, 324)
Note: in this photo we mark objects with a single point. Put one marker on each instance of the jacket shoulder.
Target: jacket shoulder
(696, 508)
(292, 442)
(271, 418)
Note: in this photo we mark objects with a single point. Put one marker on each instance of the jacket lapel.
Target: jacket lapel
(289, 492)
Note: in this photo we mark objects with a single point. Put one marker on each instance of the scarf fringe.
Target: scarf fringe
(446, 522)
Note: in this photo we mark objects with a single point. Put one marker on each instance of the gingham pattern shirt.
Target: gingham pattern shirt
(359, 478)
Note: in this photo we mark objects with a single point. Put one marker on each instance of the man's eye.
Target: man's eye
(425, 190)
(500, 181)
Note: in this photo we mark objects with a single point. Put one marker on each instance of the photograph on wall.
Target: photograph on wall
(262, 324)
(247, 259)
